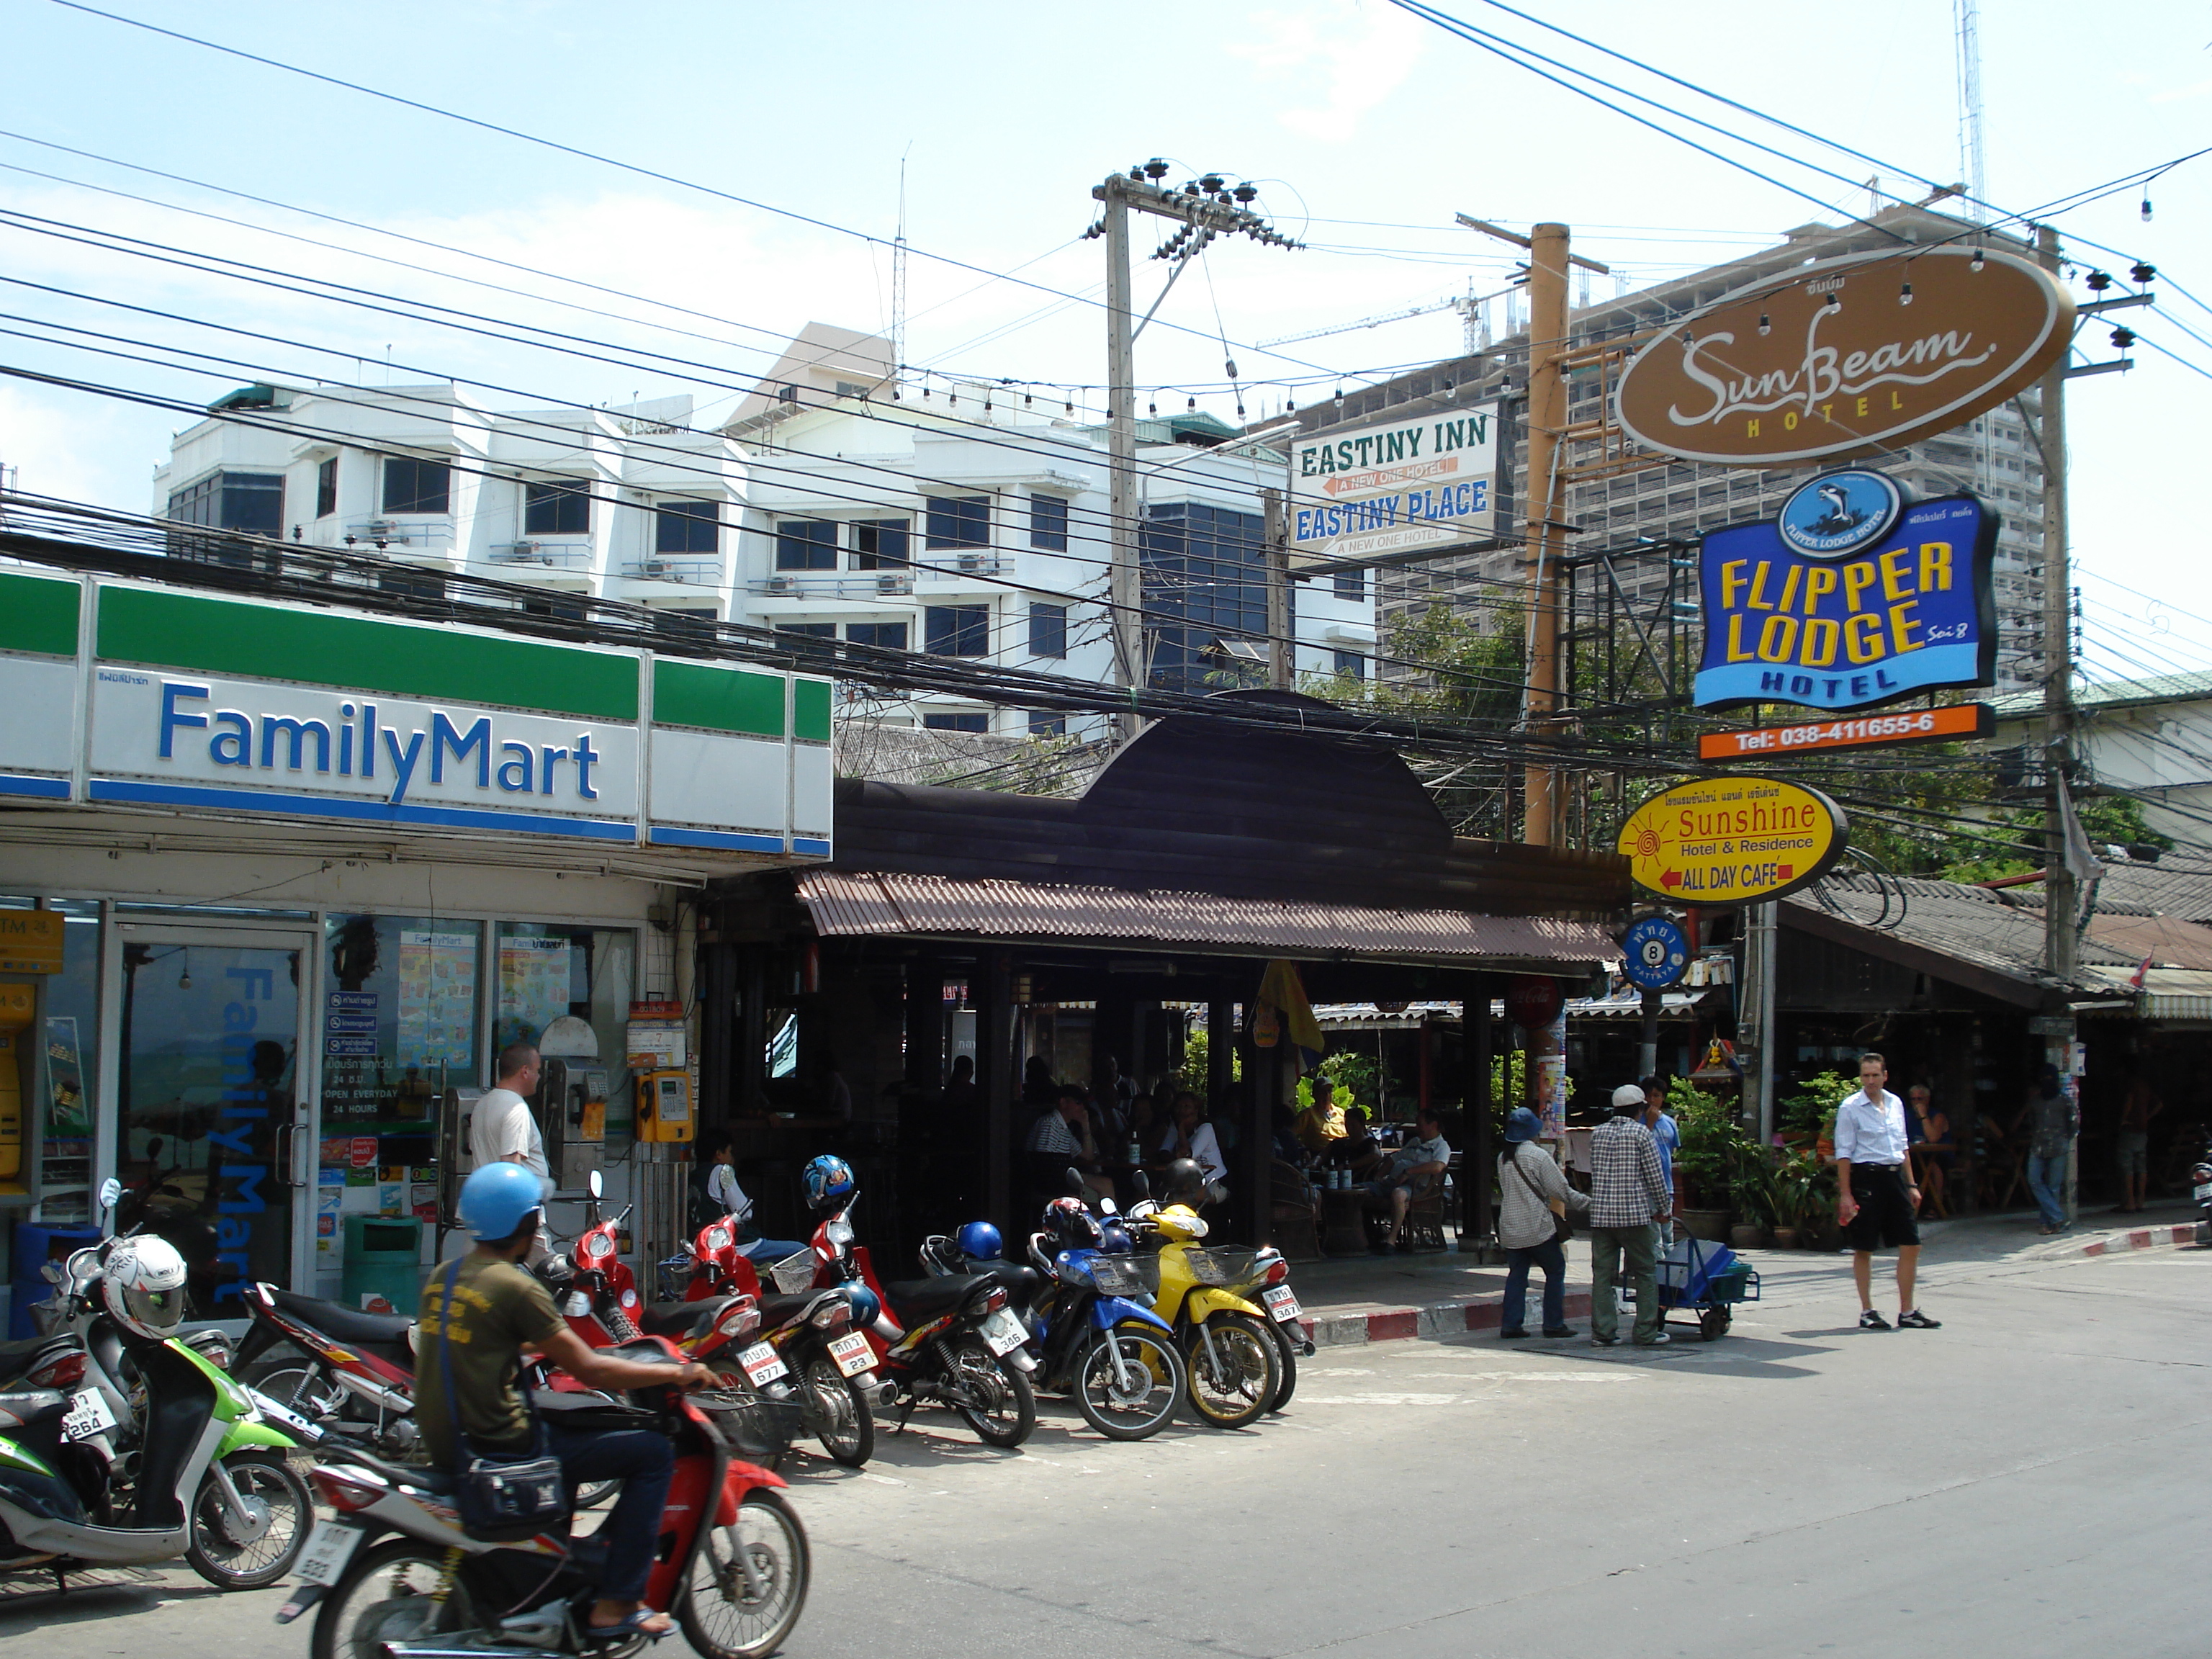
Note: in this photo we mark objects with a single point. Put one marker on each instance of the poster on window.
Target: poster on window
(534, 985)
(67, 1112)
(437, 999)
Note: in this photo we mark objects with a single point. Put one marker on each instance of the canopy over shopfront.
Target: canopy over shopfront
(1006, 926)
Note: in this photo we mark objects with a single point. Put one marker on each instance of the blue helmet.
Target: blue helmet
(828, 1182)
(979, 1241)
(865, 1304)
(1114, 1238)
(498, 1198)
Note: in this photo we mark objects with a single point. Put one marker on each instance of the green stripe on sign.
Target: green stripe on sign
(37, 613)
(717, 699)
(361, 653)
(811, 710)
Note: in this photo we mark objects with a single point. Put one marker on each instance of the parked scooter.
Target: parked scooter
(209, 1481)
(394, 1575)
(1235, 1365)
(1098, 1340)
(948, 1339)
(2200, 1187)
(354, 1372)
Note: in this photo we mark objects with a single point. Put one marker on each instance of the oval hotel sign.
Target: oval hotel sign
(1732, 840)
(1846, 356)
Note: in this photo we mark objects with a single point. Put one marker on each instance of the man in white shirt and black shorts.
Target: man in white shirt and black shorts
(1877, 1204)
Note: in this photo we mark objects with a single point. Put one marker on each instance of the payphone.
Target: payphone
(571, 1104)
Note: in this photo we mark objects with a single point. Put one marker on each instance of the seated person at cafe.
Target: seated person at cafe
(1192, 1137)
(1359, 1152)
(1059, 1138)
(1321, 1122)
(1415, 1167)
(1287, 1145)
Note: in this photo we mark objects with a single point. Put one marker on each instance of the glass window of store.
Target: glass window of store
(400, 1022)
(61, 1122)
(566, 990)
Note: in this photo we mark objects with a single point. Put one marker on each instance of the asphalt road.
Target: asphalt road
(2029, 1480)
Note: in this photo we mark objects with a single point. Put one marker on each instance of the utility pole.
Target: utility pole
(1543, 501)
(1205, 208)
(2059, 938)
(1281, 660)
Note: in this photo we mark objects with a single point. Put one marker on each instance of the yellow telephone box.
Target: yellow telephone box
(664, 1107)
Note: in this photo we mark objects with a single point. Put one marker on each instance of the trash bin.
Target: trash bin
(36, 1244)
(383, 1257)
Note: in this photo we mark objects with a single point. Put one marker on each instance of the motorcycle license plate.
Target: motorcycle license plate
(329, 1547)
(852, 1353)
(87, 1415)
(762, 1364)
(2204, 1192)
(1003, 1333)
(1282, 1302)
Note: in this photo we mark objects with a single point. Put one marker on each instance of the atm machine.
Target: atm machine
(571, 1102)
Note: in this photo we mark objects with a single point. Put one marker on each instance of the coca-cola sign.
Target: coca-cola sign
(1846, 358)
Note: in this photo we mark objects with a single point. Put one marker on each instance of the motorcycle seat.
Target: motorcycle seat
(777, 1311)
(343, 1324)
(438, 1482)
(1022, 1283)
(916, 1300)
(15, 1357)
(682, 1319)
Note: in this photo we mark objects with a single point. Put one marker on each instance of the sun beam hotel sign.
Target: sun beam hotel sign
(1369, 492)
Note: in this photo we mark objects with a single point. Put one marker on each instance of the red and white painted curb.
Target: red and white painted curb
(2141, 1239)
(1435, 1319)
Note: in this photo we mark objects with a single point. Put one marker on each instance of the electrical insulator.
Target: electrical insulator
(2098, 281)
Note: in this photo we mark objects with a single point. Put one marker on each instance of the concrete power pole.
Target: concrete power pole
(1543, 505)
(1281, 652)
(2059, 938)
(1205, 208)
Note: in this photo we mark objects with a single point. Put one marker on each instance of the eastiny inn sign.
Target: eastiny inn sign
(1846, 356)
(1370, 491)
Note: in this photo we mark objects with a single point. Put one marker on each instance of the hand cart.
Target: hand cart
(1707, 1280)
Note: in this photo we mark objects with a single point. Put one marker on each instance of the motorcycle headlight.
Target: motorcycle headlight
(598, 1246)
(838, 1232)
(718, 1238)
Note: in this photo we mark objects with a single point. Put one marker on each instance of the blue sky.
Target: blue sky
(1367, 129)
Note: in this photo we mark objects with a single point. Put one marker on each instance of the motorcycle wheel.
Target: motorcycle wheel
(592, 1493)
(1248, 1374)
(1287, 1352)
(845, 1425)
(1008, 1411)
(385, 1595)
(724, 1614)
(1144, 1409)
(303, 1389)
(285, 1511)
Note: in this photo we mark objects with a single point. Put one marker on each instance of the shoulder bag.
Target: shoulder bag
(1562, 1229)
(507, 1496)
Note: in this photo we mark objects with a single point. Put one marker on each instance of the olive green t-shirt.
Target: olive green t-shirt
(498, 1308)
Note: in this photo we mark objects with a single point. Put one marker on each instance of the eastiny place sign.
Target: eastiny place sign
(1846, 356)
(1732, 840)
(1395, 488)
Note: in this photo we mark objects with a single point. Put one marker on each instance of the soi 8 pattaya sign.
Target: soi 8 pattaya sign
(1850, 600)
(1846, 356)
(1732, 840)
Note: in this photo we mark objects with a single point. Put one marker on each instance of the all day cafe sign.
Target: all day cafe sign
(1734, 840)
(145, 695)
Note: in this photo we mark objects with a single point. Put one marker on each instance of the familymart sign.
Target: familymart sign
(157, 697)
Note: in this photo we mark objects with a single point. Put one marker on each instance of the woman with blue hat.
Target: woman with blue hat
(1534, 1198)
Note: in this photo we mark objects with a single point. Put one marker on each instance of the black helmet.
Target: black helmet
(1184, 1183)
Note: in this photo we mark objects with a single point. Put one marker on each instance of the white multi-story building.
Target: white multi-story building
(967, 525)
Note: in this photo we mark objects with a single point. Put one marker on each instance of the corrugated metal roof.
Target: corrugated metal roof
(864, 903)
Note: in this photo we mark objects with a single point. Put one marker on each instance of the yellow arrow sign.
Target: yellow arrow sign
(1732, 840)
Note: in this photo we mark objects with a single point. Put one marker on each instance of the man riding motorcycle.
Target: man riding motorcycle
(498, 1311)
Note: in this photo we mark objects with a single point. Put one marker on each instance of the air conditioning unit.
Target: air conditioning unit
(383, 529)
(970, 563)
(893, 584)
(779, 584)
(658, 570)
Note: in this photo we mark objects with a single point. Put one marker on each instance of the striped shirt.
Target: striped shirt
(1626, 1189)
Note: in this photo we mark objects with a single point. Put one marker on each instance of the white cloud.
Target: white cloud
(1340, 57)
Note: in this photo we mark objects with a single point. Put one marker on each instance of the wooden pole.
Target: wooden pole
(1543, 505)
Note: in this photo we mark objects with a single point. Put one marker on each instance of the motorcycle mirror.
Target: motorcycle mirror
(593, 1184)
(1144, 1187)
(1075, 1182)
(1106, 1207)
(110, 1192)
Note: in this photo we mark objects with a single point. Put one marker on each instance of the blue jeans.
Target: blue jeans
(2046, 1179)
(644, 1462)
(767, 1252)
(1553, 1261)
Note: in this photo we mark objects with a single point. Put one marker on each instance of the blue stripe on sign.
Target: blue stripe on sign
(819, 847)
(373, 812)
(12, 783)
(664, 836)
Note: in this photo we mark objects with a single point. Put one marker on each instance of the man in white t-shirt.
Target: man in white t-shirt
(502, 1129)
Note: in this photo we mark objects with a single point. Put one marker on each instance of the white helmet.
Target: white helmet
(143, 1286)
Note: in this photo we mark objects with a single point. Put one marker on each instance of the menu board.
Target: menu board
(398, 1019)
(437, 998)
(534, 985)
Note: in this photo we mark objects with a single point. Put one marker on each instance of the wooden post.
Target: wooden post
(1543, 503)
(1220, 1056)
(995, 1062)
(1474, 1024)
(925, 1024)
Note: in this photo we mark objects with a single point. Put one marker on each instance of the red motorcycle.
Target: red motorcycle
(354, 1375)
(394, 1574)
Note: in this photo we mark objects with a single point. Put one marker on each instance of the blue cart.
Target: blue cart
(1706, 1280)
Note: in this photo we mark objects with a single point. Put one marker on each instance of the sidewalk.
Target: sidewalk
(1375, 1298)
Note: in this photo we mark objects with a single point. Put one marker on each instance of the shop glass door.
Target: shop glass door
(211, 1135)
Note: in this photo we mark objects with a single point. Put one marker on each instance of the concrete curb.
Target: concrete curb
(1435, 1319)
(2147, 1239)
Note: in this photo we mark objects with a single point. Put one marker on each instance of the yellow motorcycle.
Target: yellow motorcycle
(1235, 1365)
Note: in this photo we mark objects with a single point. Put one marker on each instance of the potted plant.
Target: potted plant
(1708, 1160)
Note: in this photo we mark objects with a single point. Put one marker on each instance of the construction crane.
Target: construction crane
(1468, 305)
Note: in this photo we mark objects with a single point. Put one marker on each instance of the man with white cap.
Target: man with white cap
(1627, 1195)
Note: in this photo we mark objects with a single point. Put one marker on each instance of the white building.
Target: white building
(965, 524)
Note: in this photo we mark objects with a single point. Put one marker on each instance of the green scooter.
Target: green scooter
(212, 1483)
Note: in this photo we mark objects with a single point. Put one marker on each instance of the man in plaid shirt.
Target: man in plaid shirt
(1627, 1195)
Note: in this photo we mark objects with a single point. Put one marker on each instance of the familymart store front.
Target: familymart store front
(274, 879)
